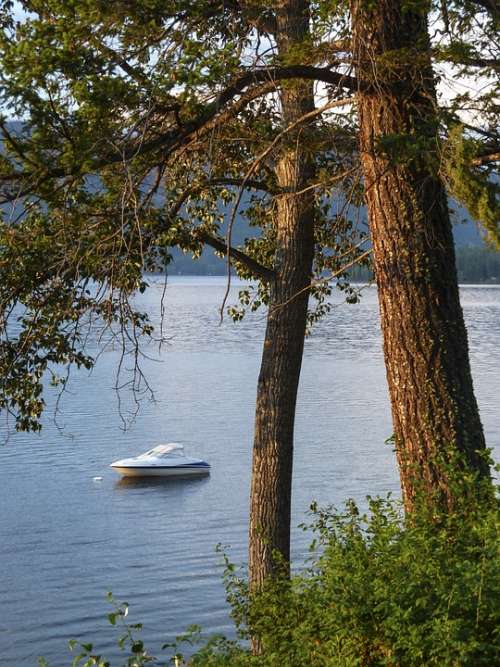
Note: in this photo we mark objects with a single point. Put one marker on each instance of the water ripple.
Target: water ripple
(67, 539)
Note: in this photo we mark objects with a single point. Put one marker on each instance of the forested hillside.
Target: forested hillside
(476, 263)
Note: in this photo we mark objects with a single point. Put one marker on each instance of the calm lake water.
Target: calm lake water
(66, 539)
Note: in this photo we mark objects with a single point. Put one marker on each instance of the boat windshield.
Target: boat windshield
(164, 451)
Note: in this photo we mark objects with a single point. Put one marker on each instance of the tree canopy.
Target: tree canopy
(140, 125)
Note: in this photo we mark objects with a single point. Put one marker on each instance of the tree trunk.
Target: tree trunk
(270, 500)
(425, 342)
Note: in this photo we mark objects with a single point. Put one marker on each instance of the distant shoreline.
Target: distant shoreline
(476, 265)
(221, 278)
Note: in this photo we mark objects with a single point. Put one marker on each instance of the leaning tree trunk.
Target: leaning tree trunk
(270, 501)
(425, 342)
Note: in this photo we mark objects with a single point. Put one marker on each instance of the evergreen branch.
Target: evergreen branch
(494, 63)
(481, 130)
(12, 142)
(465, 60)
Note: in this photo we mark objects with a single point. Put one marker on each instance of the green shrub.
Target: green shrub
(380, 590)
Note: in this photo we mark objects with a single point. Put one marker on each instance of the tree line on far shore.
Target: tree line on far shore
(476, 265)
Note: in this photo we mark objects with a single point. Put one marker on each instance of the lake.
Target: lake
(67, 538)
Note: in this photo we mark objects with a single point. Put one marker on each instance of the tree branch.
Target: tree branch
(325, 279)
(481, 130)
(491, 6)
(257, 18)
(265, 81)
(466, 61)
(134, 72)
(486, 159)
(259, 271)
(250, 184)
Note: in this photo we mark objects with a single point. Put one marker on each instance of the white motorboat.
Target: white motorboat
(162, 461)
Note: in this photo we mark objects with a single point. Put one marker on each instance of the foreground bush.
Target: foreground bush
(382, 593)
(377, 591)
(380, 590)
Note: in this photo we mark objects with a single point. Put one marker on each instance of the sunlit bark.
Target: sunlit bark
(425, 342)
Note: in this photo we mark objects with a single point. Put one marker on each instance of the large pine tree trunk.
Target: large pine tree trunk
(283, 346)
(425, 341)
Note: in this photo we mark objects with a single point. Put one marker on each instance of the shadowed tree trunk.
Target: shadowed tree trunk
(425, 341)
(284, 340)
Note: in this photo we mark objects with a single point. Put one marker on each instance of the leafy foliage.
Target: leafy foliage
(128, 642)
(382, 590)
(139, 123)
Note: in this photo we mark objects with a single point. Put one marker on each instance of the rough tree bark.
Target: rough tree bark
(425, 341)
(270, 500)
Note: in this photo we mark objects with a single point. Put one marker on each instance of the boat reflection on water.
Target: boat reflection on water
(161, 482)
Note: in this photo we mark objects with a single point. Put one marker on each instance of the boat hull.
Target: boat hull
(157, 471)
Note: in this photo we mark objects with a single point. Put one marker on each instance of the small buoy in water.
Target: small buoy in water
(97, 479)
